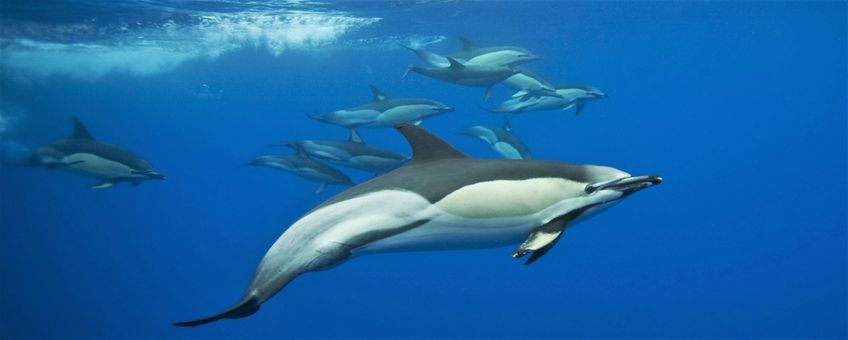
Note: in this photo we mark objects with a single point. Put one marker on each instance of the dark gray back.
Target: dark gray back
(103, 150)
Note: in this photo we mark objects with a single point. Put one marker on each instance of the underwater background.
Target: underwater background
(740, 106)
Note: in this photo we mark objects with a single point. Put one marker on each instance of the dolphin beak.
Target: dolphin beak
(627, 185)
(155, 175)
(532, 57)
(447, 109)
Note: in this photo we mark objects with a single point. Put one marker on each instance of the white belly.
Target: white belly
(96, 166)
(491, 214)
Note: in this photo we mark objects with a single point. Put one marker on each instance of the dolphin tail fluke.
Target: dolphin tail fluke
(405, 73)
(321, 188)
(245, 308)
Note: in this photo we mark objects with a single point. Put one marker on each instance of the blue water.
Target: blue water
(740, 106)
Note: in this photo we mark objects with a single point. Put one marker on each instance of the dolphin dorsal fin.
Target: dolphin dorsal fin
(354, 136)
(80, 132)
(454, 63)
(467, 45)
(378, 95)
(426, 147)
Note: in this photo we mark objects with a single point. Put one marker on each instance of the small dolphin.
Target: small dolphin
(384, 111)
(83, 154)
(441, 200)
(501, 139)
(304, 167)
(471, 54)
(353, 153)
(531, 83)
(568, 96)
(468, 74)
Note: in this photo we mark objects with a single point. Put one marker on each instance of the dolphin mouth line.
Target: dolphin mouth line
(149, 174)
(625, 184)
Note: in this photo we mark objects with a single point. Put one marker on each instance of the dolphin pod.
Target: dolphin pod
(431, 205)
(437, 199)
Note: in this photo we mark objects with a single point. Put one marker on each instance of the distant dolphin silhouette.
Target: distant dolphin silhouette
(441, 200)
(304, 167)
(384, 111)
(82, 154)
(471, 54)
(501, 139)
(467, 74)
(567, 96)
(352, 153)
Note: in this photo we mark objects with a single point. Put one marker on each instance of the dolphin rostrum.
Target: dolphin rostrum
(441, 200)
(384, 111)
(353, 153)
(83, 154)
(305, 167)
(567, 97)
(501, 139)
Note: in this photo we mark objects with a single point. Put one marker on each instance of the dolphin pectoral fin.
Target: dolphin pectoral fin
(579, 108)
(541, 240)
(488, 93)
(105, 184)
(321, 188)
(405, 73)
(246, 307)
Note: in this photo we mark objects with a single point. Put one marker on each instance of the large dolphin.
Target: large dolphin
(567, 97)
(304, 167)
(501, 139)
(82, 154)
(384, 111)
(352, 153)
(467, 74)
(471, 54)
(441, 200)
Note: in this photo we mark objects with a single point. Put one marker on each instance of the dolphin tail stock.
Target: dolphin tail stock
(246, 307)
(495, 111)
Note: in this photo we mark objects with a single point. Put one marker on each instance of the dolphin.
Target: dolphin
(533, 84)
(442, 199)
(353, 153)
(568, 96)
(384, 111)
(501, 140)
(467, 74)
(304, 167)
(471, 54)
(81, 153)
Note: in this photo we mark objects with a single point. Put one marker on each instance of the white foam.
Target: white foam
(161, 48)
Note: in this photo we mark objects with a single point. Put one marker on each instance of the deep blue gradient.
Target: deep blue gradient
(740, 106)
